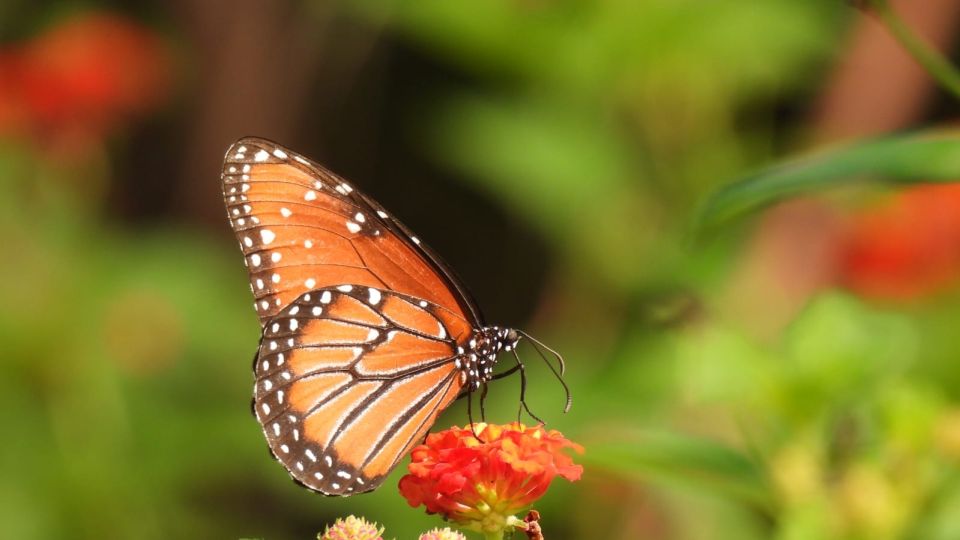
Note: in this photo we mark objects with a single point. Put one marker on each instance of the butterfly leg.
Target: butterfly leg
(483, 400)
(523, 390)
(473, 425)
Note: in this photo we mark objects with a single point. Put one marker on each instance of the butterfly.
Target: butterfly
(367, 335)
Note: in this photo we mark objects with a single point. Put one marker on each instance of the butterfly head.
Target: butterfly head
(480, 355)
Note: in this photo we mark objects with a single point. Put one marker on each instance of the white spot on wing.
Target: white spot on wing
(353, 227)
(285, 212)
(374, 295)
(280, 153)
(310, 195)
(255, 259)
(262, 155)
(311, 283)
(267, 235)
(275, 256)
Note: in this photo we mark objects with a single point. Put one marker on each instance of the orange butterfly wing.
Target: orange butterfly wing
(361, 323)
(302, 227)
(349, 379)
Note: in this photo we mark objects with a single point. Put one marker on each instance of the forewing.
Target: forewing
(349, 379)
(302, 228)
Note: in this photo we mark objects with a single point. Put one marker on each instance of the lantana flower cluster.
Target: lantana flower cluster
(480, 476)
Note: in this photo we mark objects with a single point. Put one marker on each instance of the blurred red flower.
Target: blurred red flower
(906, 247)
(81, 76)
(481, 483)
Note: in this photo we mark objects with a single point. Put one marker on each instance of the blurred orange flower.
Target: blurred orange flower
(81, 77)
(906, 247)
(481, 483)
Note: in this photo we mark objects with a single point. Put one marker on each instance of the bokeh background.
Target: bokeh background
(790, 374)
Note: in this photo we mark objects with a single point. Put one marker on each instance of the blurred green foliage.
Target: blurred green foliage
(604, 126)
(917, 157)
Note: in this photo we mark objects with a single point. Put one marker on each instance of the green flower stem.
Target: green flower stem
(935, 63)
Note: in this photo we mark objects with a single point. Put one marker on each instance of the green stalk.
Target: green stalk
(935, 63)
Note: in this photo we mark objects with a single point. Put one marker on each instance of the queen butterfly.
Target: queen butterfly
(366, 334)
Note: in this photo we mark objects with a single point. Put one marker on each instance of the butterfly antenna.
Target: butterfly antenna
(523, 391)
(558, 356)
(558, 374)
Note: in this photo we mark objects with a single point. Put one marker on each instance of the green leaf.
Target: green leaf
(930, 156)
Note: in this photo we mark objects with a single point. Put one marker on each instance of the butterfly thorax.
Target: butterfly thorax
(478, 357)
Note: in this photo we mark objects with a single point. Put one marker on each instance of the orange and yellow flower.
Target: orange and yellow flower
(482, 480)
